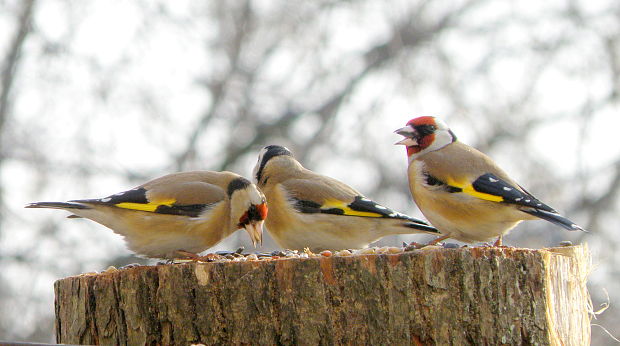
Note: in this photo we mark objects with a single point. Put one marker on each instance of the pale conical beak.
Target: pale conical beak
(255, 230)
(409, 133)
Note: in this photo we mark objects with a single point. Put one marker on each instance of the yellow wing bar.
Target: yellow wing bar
(150, 207)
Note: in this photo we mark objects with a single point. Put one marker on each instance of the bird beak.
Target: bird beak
(255, 230)
(409, 133)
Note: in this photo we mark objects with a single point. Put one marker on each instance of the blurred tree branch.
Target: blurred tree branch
(10, 66)
(270, 70)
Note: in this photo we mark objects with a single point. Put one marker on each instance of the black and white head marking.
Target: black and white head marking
(266, 154)
(237, 184)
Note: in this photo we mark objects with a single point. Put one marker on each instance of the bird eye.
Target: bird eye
(425, 130)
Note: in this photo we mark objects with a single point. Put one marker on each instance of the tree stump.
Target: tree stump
(481, 296)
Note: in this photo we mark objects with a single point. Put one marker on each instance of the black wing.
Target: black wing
(491, 184)
(136, 199)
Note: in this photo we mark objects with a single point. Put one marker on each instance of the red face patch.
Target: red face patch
(262, 210)
(426, 120)
(413, 150)
(244, 220)
(256, 212)
(426, 141)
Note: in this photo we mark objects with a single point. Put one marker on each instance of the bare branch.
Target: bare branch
(12, 59)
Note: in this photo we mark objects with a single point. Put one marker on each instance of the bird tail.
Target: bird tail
(57, 205)
(555, 219)
(421, 227)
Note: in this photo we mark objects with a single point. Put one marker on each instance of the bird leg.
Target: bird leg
(436, 240)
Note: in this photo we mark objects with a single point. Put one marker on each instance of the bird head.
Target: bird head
(248, 208)
(424, 134)
(270, 154)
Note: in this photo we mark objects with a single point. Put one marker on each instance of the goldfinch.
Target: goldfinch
(461, 191)
(309, 210)
(177, 215)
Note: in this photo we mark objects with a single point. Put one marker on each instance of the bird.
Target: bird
(462, 191)
(313, 211)
(177, 215)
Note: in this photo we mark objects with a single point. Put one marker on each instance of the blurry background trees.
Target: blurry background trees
(99, 96)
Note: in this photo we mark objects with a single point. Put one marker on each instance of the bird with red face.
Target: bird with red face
(461, 191)
(177, 215)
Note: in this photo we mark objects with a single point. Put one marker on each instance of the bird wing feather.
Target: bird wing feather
(330, 196)
(463, 169)
(166, 195)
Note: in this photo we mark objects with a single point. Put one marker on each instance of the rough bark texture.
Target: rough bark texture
(438, 296)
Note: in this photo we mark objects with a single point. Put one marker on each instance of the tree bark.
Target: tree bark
(482, 296)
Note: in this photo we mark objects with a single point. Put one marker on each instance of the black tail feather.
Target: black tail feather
(421, 227)
(555, 219)
(57, 205)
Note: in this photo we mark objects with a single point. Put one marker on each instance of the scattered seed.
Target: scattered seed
(392, 249)
(326, 253)
(130, 265)
(343, 253)
(110, 269)
(367, 251)
(451, 245)
(411, 247)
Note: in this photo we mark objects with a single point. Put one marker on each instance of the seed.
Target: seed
(110, 269)
(392, 249)
(343, 253)
(326, 253)
(451, 245)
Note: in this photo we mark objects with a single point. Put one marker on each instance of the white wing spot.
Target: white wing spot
(106, 200)
(507, 188)
(365, 199)
(527, 201)
(380, 207)
(119, 194)
(491, 179)
(538, 204)
(518, 199)
(393, 215)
